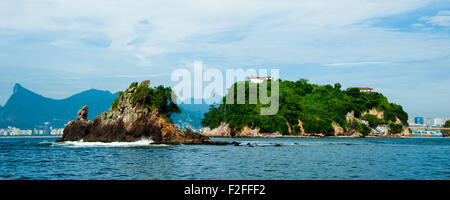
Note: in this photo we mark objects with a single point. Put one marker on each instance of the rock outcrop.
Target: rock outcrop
(405, 133)
(222, 131)
(338, 130)
(225, 131)
(82, 114)
(130, 118)
(248, 132)
(374, 111)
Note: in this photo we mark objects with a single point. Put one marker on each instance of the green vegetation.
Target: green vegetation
(158, 97)
(373, 120)
(359, 127)
(317, 106)
(395, 128)
(446, 133)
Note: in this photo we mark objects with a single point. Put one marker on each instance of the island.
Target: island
(139, 112)
(309, 110)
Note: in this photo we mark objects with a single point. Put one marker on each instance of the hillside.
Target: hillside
(310, 109)
(27, 110)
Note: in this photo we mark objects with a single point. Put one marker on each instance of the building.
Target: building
(438, 122)
(363, 89)
(382, 129)
(259, 79)
(418, 120)
(427, 122)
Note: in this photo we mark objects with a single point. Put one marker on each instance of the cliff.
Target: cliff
(139, 112)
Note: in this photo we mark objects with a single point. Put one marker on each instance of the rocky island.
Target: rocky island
(309, 110)
(140, 112)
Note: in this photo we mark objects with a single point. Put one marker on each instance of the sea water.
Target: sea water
(292, 159)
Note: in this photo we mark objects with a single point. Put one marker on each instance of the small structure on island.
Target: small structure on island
(382, 129)
(259, 79)
(363, 89)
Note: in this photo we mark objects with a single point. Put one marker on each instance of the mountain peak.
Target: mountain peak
(17, 88)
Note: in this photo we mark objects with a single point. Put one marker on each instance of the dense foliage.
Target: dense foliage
(446, 133)
(317, 106)
(395, 128)
(158, 97)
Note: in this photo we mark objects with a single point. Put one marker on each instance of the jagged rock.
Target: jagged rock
(357, 135)
(248, 132)
(83, 113)
(338, 130)
(302, 130)
(406, 133)
(374, 111)
(145, 83)
(130, 119)
(225, 131)
(222, 131)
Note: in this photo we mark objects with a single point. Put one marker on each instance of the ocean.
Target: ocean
(296, 159)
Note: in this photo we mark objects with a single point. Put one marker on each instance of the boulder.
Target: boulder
(222, 131)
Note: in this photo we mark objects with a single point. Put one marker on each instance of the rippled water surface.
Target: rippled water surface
(296, 158)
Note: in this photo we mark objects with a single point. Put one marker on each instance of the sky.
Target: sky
(400, 48)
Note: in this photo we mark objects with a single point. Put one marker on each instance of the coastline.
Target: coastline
(295, 136)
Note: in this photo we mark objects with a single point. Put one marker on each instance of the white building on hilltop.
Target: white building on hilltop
(363, 89)
(259, 79)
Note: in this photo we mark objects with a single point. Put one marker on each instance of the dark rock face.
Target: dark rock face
(130, 122)
(82, 114)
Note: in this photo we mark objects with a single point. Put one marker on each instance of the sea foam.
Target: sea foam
(81, 143)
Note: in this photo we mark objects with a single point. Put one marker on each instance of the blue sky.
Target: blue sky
(400, 48)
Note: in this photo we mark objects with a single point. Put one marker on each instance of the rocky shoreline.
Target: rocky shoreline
(225, 131)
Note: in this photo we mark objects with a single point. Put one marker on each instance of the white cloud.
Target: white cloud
(266, 27)
(110, 43)
(442, 18)
(353, 64)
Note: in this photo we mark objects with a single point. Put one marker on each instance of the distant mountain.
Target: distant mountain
(27, 110)
(191, 115)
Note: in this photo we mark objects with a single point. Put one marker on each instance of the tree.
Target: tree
(446, 133)
(395, 128)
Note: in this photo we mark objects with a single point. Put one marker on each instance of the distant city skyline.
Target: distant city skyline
(398, 48)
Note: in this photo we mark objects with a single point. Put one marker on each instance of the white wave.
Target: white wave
(81, 143)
